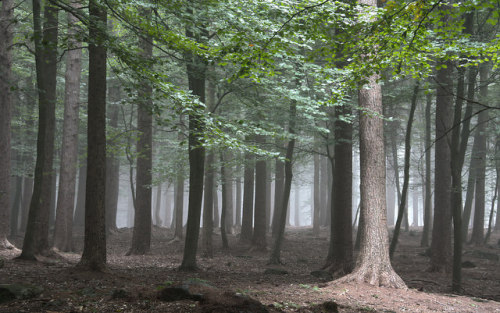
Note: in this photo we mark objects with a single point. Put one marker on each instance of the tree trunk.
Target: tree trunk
(79, 215)
(268, 195)
(112, 160)
(158, 221)
(228, 181)
(296, 215)
(25, 204)
(259, 230)
(316, 197)
(94, 248)
(6, 36)
(424, 242)
(248, 191)
(141, 236)
(238, 195)
(225, 199)
(340, 254)
(63, 232)
(391, 201)
(415, 208)
(208, 206)
(406, 180)
(37, 230)
(441, 230)
(178, 205)
(168, 207)
(323, 193)
(196, 71)
(216, 203)
(14, 214)
(278, 194)
(373, 264)
(477, 237)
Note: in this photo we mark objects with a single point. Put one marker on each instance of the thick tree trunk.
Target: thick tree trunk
(94, 248)
(441, 230)
(259, 230)
(340, 254)
(373, 264)
(37, 229)
(248, 191)
(6, 36)
(63, 232)
(25, 204)
(141, 236)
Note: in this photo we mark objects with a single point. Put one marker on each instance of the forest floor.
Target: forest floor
(132, 282)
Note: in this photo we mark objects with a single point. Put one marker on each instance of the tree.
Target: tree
(373, 265)
(6, 35)
(37, 230)
(259, 229)
(208, 206)
(94, 248)
(141, 237)
(424, 242)
(63, 232)
(248, 188)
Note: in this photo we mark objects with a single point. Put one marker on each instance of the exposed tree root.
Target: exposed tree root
(375, 276)
(6, 245)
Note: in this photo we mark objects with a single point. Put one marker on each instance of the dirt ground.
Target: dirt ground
(132, 282)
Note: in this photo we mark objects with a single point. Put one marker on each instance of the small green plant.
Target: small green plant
(165, 284)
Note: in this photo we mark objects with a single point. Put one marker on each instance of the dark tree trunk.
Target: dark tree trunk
(25, 204)
(238, 195)
(323, 190)
(37, 229)
(268, 195)
(141, 236)
(340, 254)
(406, 179)
(424, 242)
(275, 257)
(228, 182)
(6, 36)
(441, 230)
(16, 205)
(248, 191)
(94, 248)
(208, 206)
(373, 264)
(225, 199)
(63, 232)
(216, 203)
(477, 237)
(316, 197)
(196, 71)
(259, 230)
(278, 194)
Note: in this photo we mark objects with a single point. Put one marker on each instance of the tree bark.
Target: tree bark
(278, 193)
(373, 264)
(208, 206)
(259, 230)
(63, 232)
(225, 199)
(228, 181)
(6, 36)
(37, 228)
(79, 215)
(141, 236)
(441, 230)
(248, 191)
(424, 242)
(94, 248)
(296, 215)
(316, 197)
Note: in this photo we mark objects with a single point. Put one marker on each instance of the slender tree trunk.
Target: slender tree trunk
(216, 203)
(268, 195)
(228, 181)
(477, 237)
(225, 199)
(158, 221)
(6, 36)
(37, 229)
(208, 206)
(373, 264)
(168, 207)
(259, 230)
(178, 206)
(441, 230)
(275, 257)
(16, 205)
(238, 195)
(278, 193)
(79, 214)
(248, 191)
(415, 208)
(94, 248)
(141, 236)
(492, 210)
(53, 196)
(340, 254)
(391, 200)
(296, 215)
(196, 70)
(323, 190)
(25, 204)
(424, 242)
(406, 179)
(63, 232)
(316, 197)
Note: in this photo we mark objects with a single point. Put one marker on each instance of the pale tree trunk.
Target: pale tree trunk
(79, 214)
(168, 207)
(259, 231)
(296, 220)
(373, 264)
(268, 195)
(415, 208)
(477, 237)
(238, 195)
(216, 203)
(441, 230)
(141, 236)
(228, 181)
(94, 247)
(6, 35)
(316, 195)
(225, 199)
(323, 191)
(391, 198)
(63, 232)
(158, 221)
(37, 228)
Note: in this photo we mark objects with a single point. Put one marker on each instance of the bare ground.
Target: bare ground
(132, 282)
